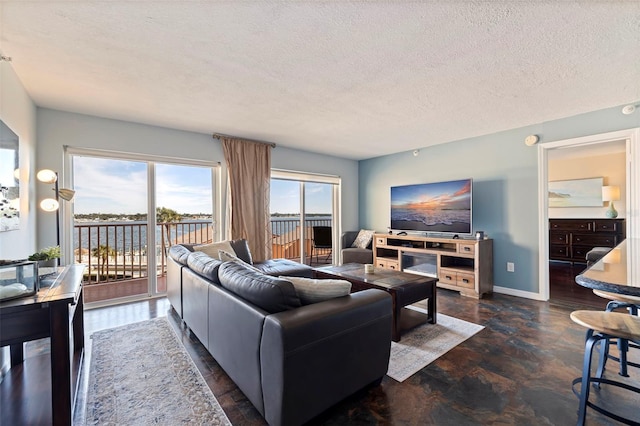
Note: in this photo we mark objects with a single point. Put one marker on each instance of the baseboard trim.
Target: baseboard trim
(519, 293)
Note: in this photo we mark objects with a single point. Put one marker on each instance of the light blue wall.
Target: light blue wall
(347, 170)
(19, 113)
(505, 185)
(59, 128)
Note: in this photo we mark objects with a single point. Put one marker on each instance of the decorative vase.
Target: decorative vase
(46, 267)
(49, 263)
(611, 213)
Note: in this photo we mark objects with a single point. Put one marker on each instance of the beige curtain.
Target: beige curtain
(249, 166)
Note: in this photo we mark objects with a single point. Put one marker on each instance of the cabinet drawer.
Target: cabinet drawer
(571, 225)
(381, 241)
(467, 248)
(556, 251)
(448, 277)
(580, 253)
(459, 279)
(607, 226)
(387, 264)
(465, 280)
(593, 240)
(559, 237)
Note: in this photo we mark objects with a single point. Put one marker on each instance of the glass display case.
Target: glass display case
(18, 278)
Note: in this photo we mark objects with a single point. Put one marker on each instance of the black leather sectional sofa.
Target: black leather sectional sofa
(292, 361)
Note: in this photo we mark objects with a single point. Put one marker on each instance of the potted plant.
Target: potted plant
(47, 257)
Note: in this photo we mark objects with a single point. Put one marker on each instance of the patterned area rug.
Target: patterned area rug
(141, 375)
(425, 343)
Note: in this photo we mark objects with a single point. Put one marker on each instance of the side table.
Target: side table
(49, 313)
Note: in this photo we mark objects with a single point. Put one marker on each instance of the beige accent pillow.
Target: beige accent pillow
(363, 239)
(213, 249)
(228, 257)
(313, 290)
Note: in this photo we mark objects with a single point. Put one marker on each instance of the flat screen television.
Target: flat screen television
(438, 207)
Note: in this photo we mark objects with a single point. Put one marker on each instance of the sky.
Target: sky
(438, 195)
(120, 187)
(285, 197)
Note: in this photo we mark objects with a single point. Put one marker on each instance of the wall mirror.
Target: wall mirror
(9, 179)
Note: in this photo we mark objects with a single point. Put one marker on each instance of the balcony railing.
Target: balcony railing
(116, 252)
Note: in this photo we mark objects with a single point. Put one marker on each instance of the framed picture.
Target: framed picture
(576, 193)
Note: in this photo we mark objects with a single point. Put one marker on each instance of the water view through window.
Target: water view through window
(111, 221)
(286, 214)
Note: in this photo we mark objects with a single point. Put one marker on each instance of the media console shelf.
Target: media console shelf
(464, 265)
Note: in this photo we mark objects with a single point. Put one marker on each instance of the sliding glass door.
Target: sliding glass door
(304, 216)
(111, 223)
(184, 210)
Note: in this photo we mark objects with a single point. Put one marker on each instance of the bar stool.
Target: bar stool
(603, 326)
(618, 301)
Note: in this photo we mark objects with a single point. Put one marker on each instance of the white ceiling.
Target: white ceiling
(356, 79)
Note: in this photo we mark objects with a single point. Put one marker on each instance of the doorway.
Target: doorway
(573, 152)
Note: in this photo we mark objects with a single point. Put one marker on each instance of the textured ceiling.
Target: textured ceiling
(355, 79)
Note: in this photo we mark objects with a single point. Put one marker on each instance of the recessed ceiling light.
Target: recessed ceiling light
(629, 109)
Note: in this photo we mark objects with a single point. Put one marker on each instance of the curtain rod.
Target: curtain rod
(222, 135)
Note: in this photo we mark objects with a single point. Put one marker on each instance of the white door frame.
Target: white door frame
(632, 213)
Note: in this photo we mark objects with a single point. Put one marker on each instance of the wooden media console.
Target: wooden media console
(464, 265)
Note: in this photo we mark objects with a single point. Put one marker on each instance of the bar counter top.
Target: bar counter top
(617, 272)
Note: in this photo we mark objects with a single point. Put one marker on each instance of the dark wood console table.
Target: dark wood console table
(56, 312)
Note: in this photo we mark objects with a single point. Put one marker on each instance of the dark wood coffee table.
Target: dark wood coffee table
(403, 287)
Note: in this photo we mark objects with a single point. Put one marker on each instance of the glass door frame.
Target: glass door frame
(67, 226)
(336, 207)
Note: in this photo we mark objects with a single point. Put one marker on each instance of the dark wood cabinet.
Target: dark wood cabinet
(56, 311)
(571, 239)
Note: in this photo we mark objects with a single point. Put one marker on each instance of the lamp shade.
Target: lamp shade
(49, 205)
(66, 194)
(610, 193)
(47, 176)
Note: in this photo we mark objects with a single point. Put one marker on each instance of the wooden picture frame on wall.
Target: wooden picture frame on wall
(576, 193)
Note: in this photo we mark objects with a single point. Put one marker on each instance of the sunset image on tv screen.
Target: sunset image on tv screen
(432, 207)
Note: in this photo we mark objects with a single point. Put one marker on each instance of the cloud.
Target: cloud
(120, 187)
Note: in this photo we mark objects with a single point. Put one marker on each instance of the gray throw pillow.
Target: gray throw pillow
(241, 249)
(363, 239)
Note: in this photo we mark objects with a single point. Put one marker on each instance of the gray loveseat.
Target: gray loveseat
(354, 254)
(292, 361)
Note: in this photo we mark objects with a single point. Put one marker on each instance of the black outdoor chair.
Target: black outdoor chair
(321, 240)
